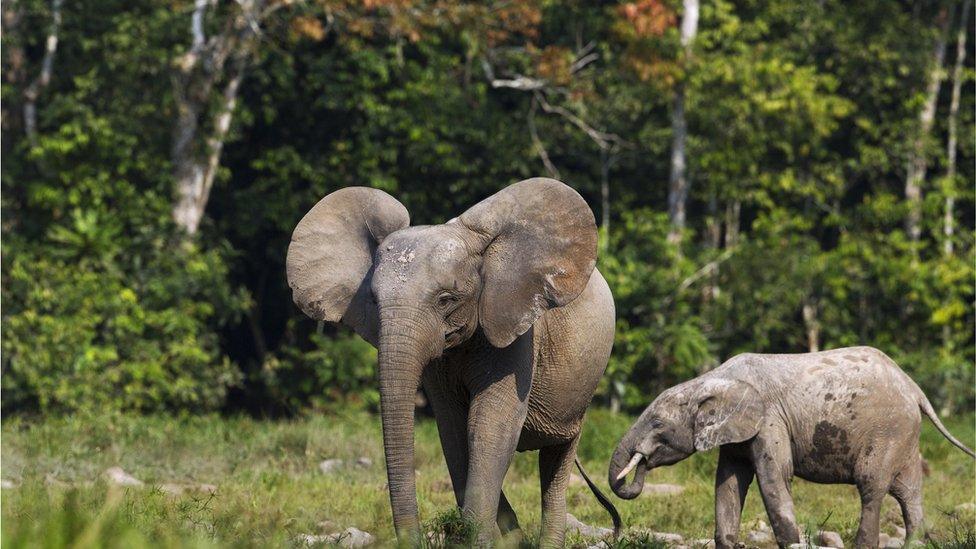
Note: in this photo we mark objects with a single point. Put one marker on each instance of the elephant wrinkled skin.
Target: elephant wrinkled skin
(499, 313)
(847, 416)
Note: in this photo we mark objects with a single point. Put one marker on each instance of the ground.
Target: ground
(270, 490)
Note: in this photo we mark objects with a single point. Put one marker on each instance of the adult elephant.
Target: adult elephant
(499, 313)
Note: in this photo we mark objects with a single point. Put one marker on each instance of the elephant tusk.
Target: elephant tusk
(630, 466)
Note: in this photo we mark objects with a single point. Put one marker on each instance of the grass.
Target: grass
(269, 488)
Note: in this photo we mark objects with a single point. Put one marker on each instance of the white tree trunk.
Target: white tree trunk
(33, 91)
(678, 182)
(223, 57)
(949, 220)
(812, 325)
(918, 160)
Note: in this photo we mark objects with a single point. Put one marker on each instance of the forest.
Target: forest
(767, 176)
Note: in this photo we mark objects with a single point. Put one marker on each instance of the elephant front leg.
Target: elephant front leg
(555, 464)
(732, 481)
(774, 471)
(495, 418)
(450, 407)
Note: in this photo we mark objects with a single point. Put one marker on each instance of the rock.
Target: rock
(7, 484)
(118, 477)
(599, 545)
(968, 507)
(703, 543)
(364, 462)
(667, 537)
(900, 532)
(663, 489)
(827, 538)
(573, 524)
(888, 542)
(760, 537)
(330, 466)
(350, 537)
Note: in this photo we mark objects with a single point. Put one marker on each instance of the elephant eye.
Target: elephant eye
(446, 300)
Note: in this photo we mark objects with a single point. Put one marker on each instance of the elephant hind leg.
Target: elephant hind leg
(555, 465)
(907, 490)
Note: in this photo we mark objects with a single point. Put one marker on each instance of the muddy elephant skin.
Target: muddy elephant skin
(848, 416)
(499, 313)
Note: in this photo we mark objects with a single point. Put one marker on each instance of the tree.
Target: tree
(918, 155)
(679, 181)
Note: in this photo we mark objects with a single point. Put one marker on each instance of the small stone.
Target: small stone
(703, 543)
(330, 466)
(827, 538)
(598, 545)
(573, 524)
(663, 489)
(900, 532)
(351, 537)
(888, 542)
(968, 507)
(759, 537)
(7, 484)
(119, 477)
(667, 537)
(364, 462)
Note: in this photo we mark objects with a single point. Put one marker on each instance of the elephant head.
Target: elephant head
(694, 416)
(414, 292)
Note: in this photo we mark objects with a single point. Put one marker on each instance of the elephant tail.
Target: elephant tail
(606, 503)
(926, 407)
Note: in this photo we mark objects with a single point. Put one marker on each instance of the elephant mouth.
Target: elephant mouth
(628, 490)
(634, 462)
(455, 336)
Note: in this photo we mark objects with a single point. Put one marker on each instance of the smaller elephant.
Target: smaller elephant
(846, 416)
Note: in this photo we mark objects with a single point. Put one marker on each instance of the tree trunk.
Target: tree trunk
(223, 57)
(918, 159)
(812, 325)
(194, 171)
(678, 182)
(948, 227)
(33, 91)
(732, 212)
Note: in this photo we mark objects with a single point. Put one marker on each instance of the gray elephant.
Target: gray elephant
(499, 313)
(846, 416)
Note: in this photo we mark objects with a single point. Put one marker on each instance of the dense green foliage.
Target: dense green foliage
(801, 120)
(269, 489)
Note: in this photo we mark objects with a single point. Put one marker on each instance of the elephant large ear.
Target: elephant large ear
(540, 249)
(330, 258)
(729, 411)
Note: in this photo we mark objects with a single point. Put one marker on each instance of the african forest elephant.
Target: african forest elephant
(847, 416)
(499, 313)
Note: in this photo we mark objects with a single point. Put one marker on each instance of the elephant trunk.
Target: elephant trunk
(404, 349)
(622, 456)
